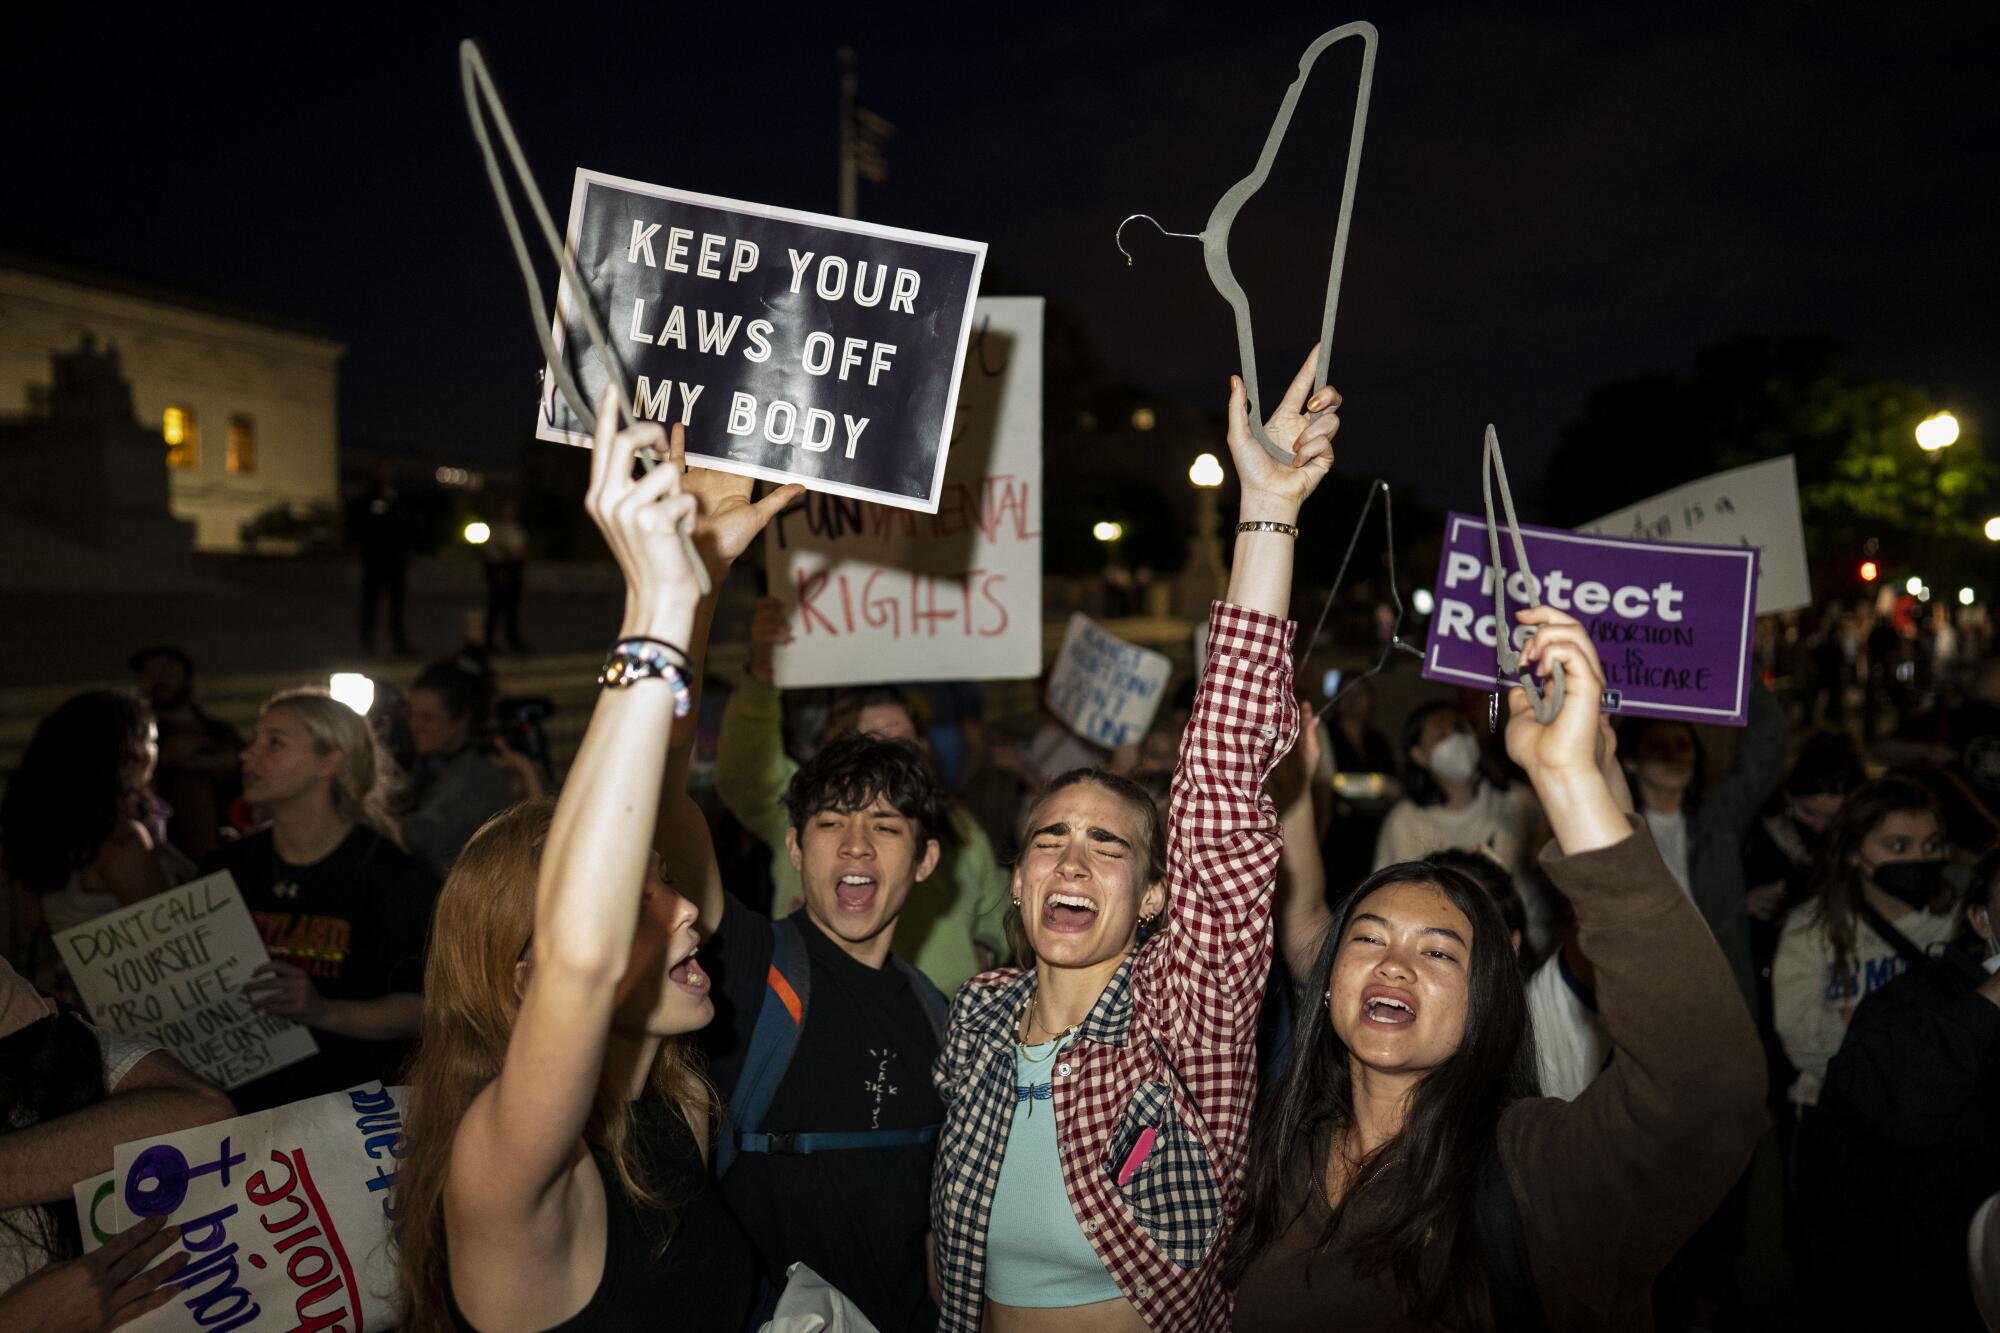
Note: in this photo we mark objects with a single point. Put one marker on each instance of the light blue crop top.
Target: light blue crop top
(1036, 1254)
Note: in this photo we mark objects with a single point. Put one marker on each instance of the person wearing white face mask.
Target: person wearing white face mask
(1448, 803)
(1904, 1144)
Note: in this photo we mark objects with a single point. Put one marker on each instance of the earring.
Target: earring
(1017, 904)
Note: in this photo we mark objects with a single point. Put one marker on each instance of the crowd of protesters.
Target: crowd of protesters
(963, 1034)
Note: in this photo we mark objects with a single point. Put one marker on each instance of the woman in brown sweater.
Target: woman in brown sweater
(1406, 1176)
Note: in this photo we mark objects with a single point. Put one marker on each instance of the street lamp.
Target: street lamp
(477, 533)
(1106, 531)
(1965, 597)
(1993, 528)
(1205, 579)
(1938, 431)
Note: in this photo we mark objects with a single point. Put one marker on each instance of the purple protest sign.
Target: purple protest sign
(1672, 622)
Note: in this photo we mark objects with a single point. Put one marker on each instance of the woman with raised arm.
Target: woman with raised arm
(1404, 1175)
(557, 1173)
(1098, 1097)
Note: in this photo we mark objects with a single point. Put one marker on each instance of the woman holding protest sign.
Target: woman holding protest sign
(343, 909)
(557, 1174)
(1404, 1175)
(1098, 1098)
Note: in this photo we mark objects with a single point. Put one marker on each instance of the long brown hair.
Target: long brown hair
(1838, 879)
(483, 927)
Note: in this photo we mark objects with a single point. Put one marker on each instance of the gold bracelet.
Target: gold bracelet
(1268, 525)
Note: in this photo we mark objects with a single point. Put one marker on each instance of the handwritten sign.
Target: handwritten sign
(172, 968)
(793, 346)
(882, 594)
(1672, 623)
(284, 1214)
(1105, 689)
(1755, 506)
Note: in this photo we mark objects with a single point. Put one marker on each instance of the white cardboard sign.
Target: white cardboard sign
(882, 594)
(1755, 506)
(172, 968)
(1105, 689)
(284, 1214)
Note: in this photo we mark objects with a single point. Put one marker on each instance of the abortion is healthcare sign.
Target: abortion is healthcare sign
(793, 346)
(284, 1214)
(1672, 623)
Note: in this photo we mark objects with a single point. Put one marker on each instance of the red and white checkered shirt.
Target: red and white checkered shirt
(1171, 1044)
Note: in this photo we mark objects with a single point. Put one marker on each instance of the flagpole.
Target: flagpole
(848, 83)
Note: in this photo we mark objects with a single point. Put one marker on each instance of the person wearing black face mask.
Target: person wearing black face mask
(1778, 866)
(1878, 906)
(1905, 1142)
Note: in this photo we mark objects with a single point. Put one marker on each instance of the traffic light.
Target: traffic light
(1870, 571)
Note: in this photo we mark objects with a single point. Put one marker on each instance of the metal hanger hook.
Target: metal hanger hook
(1118, 237)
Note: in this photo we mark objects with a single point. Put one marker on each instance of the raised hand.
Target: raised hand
(642, 521)
(1565, 758)
(727, 520)
(769, 627)
(1571, 742)
(1271, 489)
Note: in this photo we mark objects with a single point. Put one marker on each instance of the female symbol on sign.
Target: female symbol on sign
(157, 1184)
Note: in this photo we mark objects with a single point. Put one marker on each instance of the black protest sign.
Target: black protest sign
(793, 346)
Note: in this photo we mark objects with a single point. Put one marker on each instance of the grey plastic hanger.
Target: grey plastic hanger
(1214, 237)
(478, 85)
(1506, 656)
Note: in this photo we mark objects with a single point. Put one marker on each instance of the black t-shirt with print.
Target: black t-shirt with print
(356, 921)
(863, 1061)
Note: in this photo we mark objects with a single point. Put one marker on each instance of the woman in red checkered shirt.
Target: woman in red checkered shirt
(1099, 1097)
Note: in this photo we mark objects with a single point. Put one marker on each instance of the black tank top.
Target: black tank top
(703, 1282)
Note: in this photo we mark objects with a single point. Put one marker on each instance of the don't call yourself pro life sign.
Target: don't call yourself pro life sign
(1105, 689)
(284, 1214)
(1673, 624)
(172, 968)
(880, 594)
(793, 346)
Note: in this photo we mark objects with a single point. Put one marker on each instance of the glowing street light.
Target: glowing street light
(1939, 431)
(1913, 586)
(1993, 529)
(1205, 471)
(1965, 597)
(1423, 601)
(1106, 531)
(353, 689)
(477, 533)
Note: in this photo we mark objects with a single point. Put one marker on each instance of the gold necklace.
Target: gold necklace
(1028, 1026)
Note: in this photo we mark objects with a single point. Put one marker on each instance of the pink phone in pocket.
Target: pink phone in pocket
(1140, 1151)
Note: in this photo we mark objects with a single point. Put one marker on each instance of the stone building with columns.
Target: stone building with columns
(242, 403)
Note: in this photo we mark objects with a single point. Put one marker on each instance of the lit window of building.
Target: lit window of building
(242, 454)
(183, 437)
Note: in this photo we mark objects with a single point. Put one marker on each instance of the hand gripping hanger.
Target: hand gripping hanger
(1214, 237)
(1506, 656)
(478, 86)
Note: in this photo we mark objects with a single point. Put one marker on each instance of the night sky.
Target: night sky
(1546, 202)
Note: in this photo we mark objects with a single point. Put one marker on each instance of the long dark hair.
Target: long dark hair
(49, 1069)
(1837, 878)
(1414, 1198)
(72, 787)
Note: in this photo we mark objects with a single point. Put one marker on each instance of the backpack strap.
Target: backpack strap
(936, 1007)
(780, 1019)
(1950, 962)
(1503, 1239)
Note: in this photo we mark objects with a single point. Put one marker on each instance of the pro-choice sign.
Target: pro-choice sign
(1673, 624)
(793, 346)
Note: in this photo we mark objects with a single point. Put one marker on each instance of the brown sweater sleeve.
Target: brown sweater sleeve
(1611, 1184)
